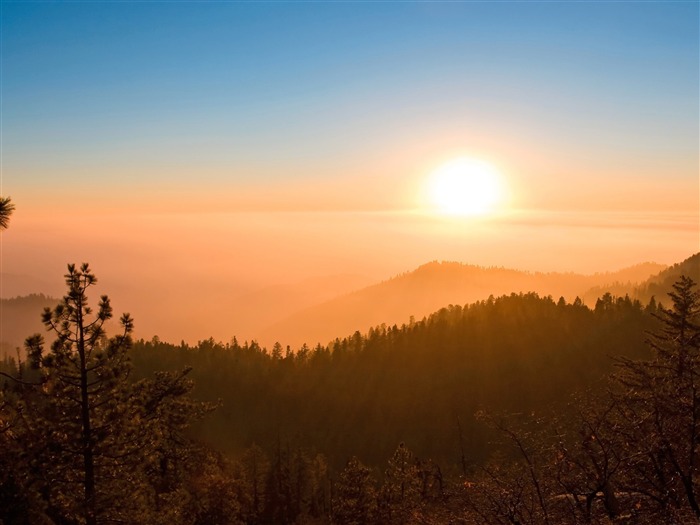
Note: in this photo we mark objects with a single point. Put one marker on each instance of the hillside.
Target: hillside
(430, 287)
(208, 310)
(660, 285)
(321, 309)
(247, 314)
(364, 394)
(657, 285)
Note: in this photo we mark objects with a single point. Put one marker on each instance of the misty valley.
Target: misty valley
(517, 408)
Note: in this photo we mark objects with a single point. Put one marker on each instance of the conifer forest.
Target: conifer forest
(517, 409)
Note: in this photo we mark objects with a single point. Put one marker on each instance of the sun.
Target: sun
(465, 186)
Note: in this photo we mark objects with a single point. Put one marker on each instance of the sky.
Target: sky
(229, 146)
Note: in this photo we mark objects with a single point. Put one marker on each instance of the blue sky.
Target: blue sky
(269, 90)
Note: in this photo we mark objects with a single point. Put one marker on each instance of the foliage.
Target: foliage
(400, 493)
(86, 437)
(659, 409)
(6, 209)
(355, 497)
(363, 394)
(661, 285)
(625, 453)
(632, 455)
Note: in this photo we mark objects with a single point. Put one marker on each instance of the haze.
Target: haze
(224, 165)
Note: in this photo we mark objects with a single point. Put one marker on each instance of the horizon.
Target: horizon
(320, 309)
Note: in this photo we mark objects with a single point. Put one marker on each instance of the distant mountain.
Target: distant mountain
(20, 317)
(253, 311)
(17, 285)
(431, 287)
(194, 310)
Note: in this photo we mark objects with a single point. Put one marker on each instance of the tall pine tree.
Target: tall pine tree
(89, 438)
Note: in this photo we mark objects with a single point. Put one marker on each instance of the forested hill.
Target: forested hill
(434, 285)
(657, 286)
(364, 394)
(660, 285)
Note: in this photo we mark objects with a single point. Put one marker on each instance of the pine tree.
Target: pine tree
(355, 498)
(254, 467)
(91, 436)
(6, 209)
(660, 409)
(278, 489)
(402, 484)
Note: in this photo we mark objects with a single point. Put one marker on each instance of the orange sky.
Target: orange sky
(192, 164)
(165, 267)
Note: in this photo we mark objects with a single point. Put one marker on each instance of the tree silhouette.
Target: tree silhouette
(631, 456)
(80, 375)
(659, 409)
(96, 445)
(6, 209)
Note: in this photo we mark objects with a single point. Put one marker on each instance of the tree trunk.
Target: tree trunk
(88, 460)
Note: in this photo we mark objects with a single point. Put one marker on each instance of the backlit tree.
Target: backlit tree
(6, 209)
(95, 444)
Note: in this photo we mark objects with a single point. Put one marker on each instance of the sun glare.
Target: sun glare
(465, 187)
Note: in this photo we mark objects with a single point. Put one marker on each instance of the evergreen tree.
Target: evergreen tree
(209, 495)
(254, 469)
(90, 436)
(660, 410)
(278, 490)
(402, 486)
(6, 209)
(355, 498)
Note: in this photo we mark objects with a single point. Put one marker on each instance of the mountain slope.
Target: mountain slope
(364, 394)
(429, 288)
(658, 285)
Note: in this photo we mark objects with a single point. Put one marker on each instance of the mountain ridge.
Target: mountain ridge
(433, 285)
(409, 295)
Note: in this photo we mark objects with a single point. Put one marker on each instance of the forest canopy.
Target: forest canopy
(474, 413)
